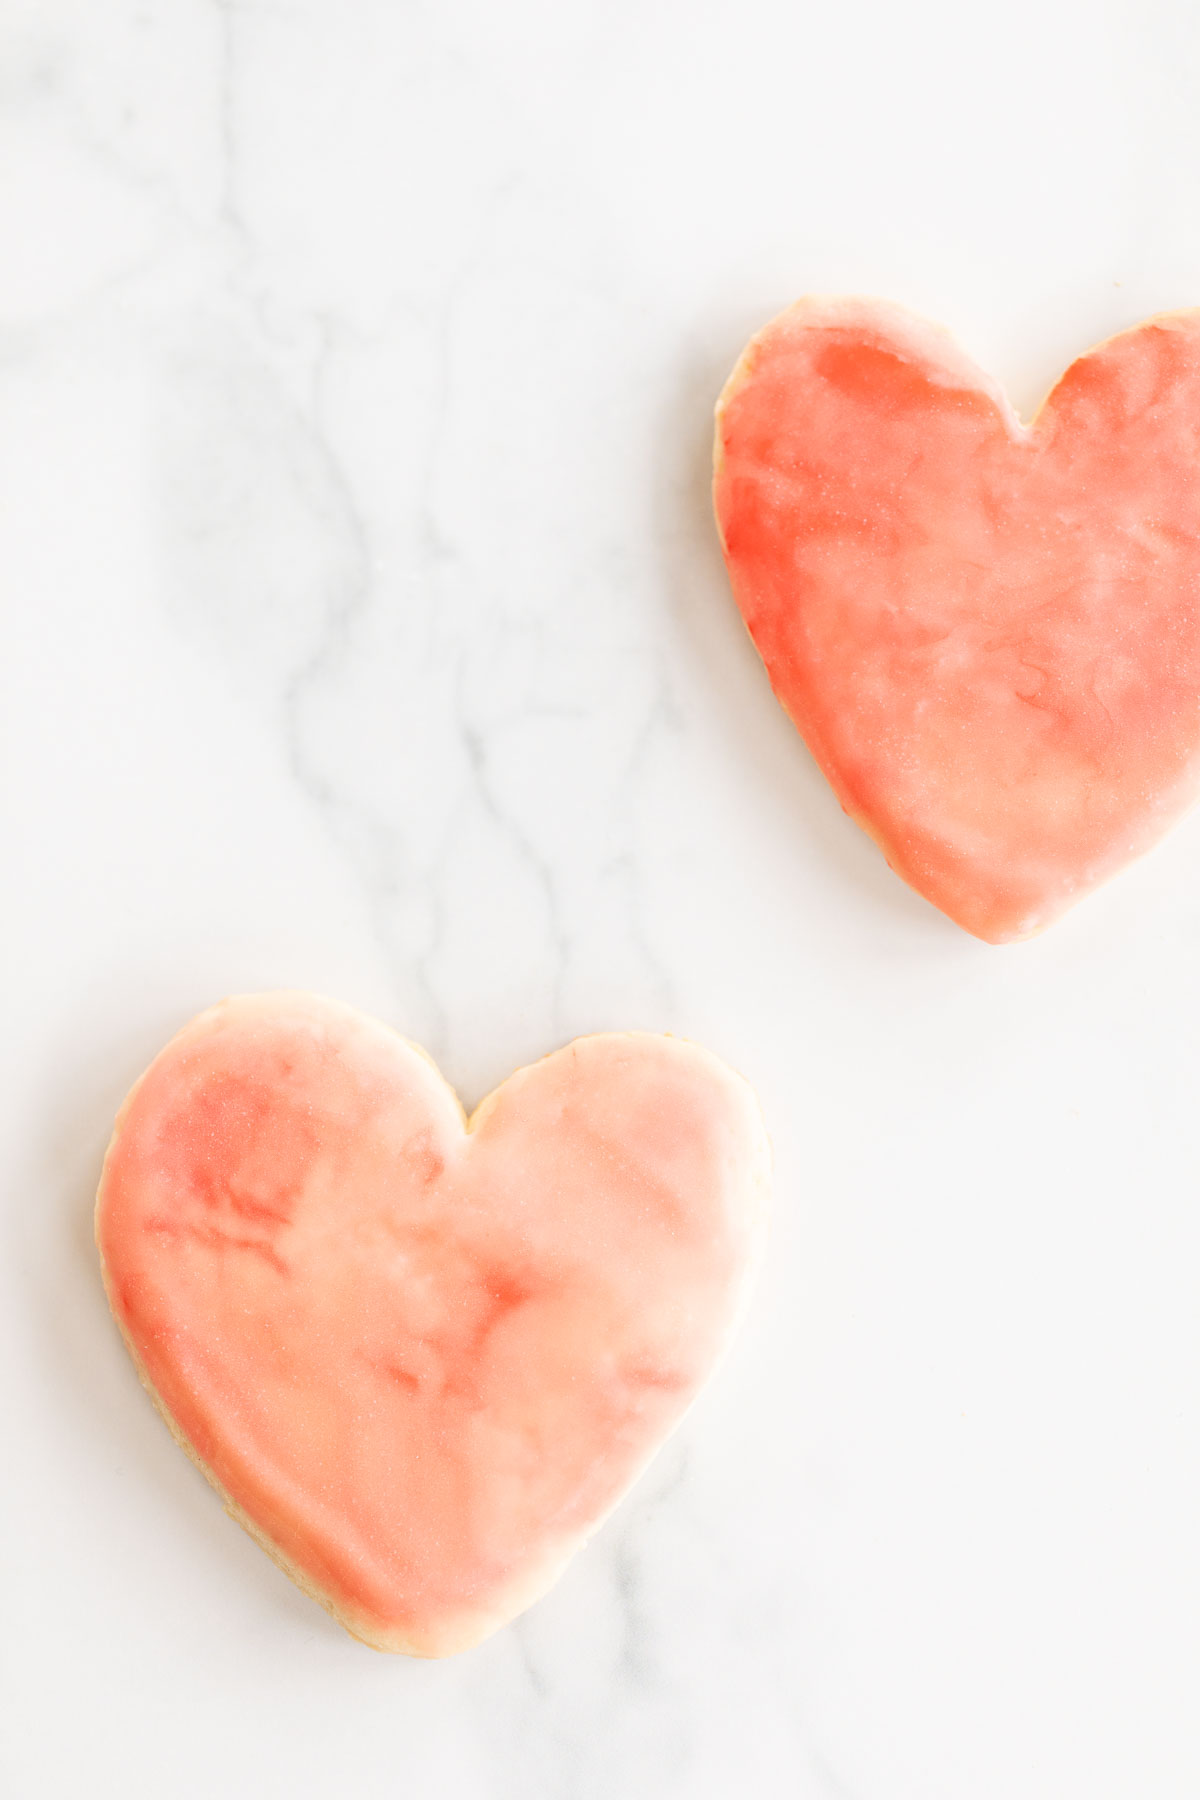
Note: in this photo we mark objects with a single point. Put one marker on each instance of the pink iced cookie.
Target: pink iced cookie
(987, 633)
(422, 1359)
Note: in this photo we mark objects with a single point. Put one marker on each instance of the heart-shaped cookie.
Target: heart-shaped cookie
(987, 633)
(421, 1359)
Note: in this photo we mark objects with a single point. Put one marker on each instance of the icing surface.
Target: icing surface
(425, 1363)
(987, 633)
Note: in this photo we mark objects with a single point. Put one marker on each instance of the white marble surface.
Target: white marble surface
(365, 630)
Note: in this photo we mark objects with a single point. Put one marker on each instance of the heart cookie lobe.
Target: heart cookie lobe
(422, 1359)
(987, 633)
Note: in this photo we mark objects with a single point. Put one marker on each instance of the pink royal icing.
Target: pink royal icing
(423, 1361)
(987, 633)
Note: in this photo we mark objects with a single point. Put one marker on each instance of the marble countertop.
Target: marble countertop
(365, 630)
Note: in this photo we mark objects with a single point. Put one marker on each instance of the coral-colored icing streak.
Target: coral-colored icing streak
(989, 635)
(424, 1363)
